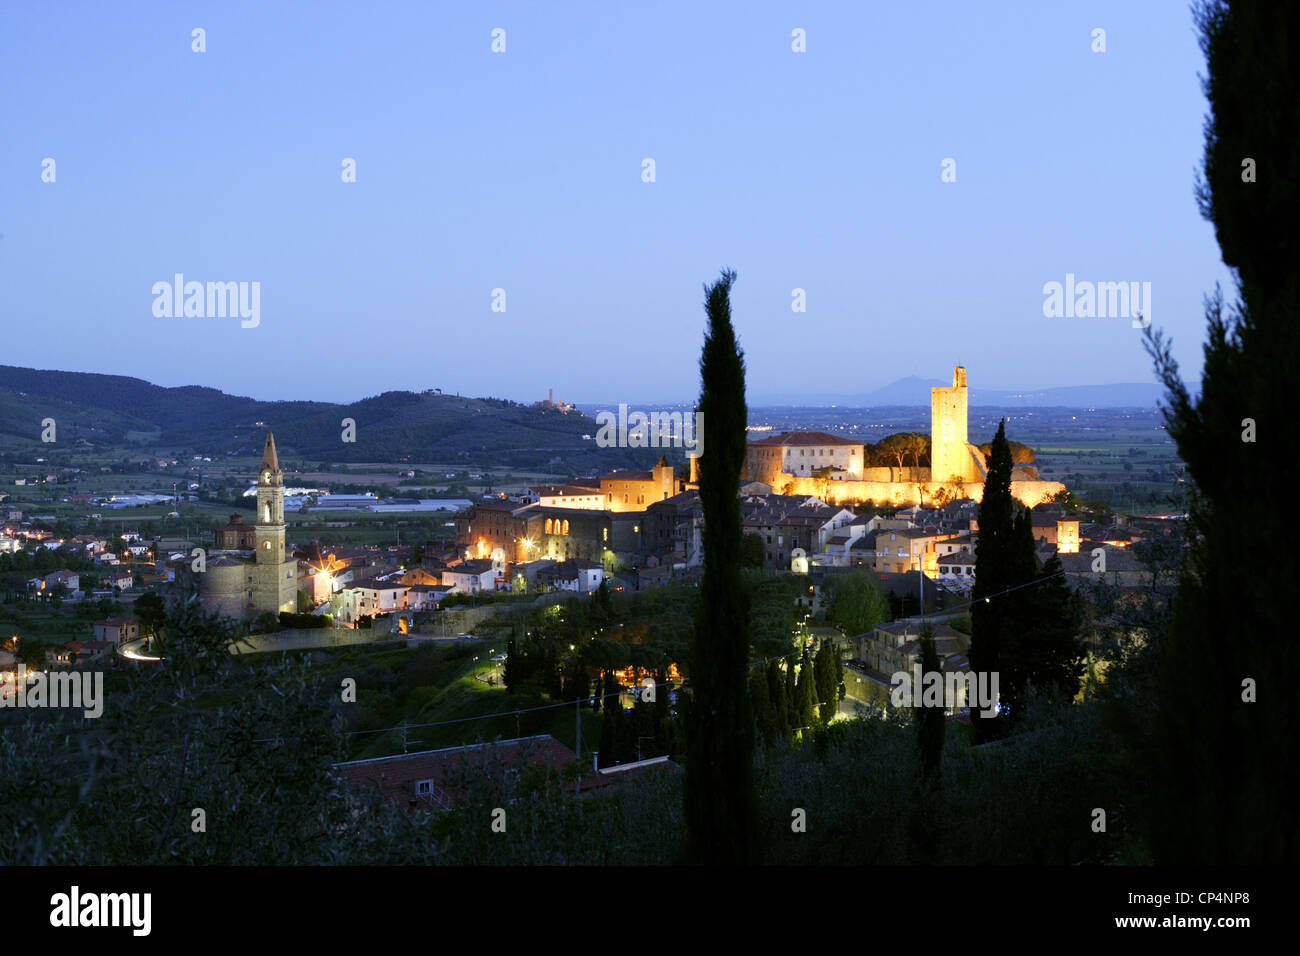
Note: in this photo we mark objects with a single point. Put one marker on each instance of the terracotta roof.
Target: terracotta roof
(374, 584)
(396, 777)
(957, 557)
(805, 438)
(477, 566)
(628, 476)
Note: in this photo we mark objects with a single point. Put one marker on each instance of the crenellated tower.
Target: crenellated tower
(949, 455)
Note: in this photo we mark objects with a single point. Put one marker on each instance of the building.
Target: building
(370, 598)
(637, 490)
(439, 779)
(786, 523)
(803, 455)
(618, 490)
(69, 579)
(896, 646)
(117, 630)
(234, 535)
(957, 569)
(426, 597)
(472, 576)
(909, 549)
(577, 575)
(241, 582)
(122, 580)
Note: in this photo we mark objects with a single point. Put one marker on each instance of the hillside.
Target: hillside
(114, 410)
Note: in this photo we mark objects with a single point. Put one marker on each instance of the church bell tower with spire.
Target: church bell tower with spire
(270, 525)
(274, 576)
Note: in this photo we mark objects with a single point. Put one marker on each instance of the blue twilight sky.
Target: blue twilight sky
(522, 171)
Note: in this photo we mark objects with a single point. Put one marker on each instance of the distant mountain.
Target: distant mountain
(914, 390)
(107, 410)
(1122, 395)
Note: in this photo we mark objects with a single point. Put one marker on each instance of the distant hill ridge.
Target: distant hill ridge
(914, 390)
(113, 409)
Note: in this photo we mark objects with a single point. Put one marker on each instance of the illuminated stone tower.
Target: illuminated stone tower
(270, 506)
(950, 458)
(274, 580)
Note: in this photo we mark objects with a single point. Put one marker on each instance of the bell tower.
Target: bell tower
(270, 527)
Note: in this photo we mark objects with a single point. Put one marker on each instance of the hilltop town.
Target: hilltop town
(814, 507)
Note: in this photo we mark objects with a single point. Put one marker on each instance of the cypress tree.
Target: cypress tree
(994, 570)
(840, 691)
(609, 722)
(930, 721)
(805, 691)
(777, 697)
(1056, 659)
(1016, 613)
(827, 687)
(930, 724)
(791, 696)
(511, 675)
(762, 705)
(662, 712)
(1225, 759)
(719, 802)
(577, 685)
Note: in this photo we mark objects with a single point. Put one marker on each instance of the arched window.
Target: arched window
(548, 526)
(566, 526)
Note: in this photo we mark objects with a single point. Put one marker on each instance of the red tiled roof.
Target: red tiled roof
(805, 438)
(395, 776)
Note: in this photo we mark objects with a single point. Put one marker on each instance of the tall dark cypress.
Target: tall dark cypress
(663, 711)
(610, 730)
(1225, 770)
(806, 691)
(931, 724)
(991, 618)
(1018, 646)
(719, 799)
(1057, 659)
(791, 695)
(777, 696)
(827, 683)
(930, 721)
(762, 705)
